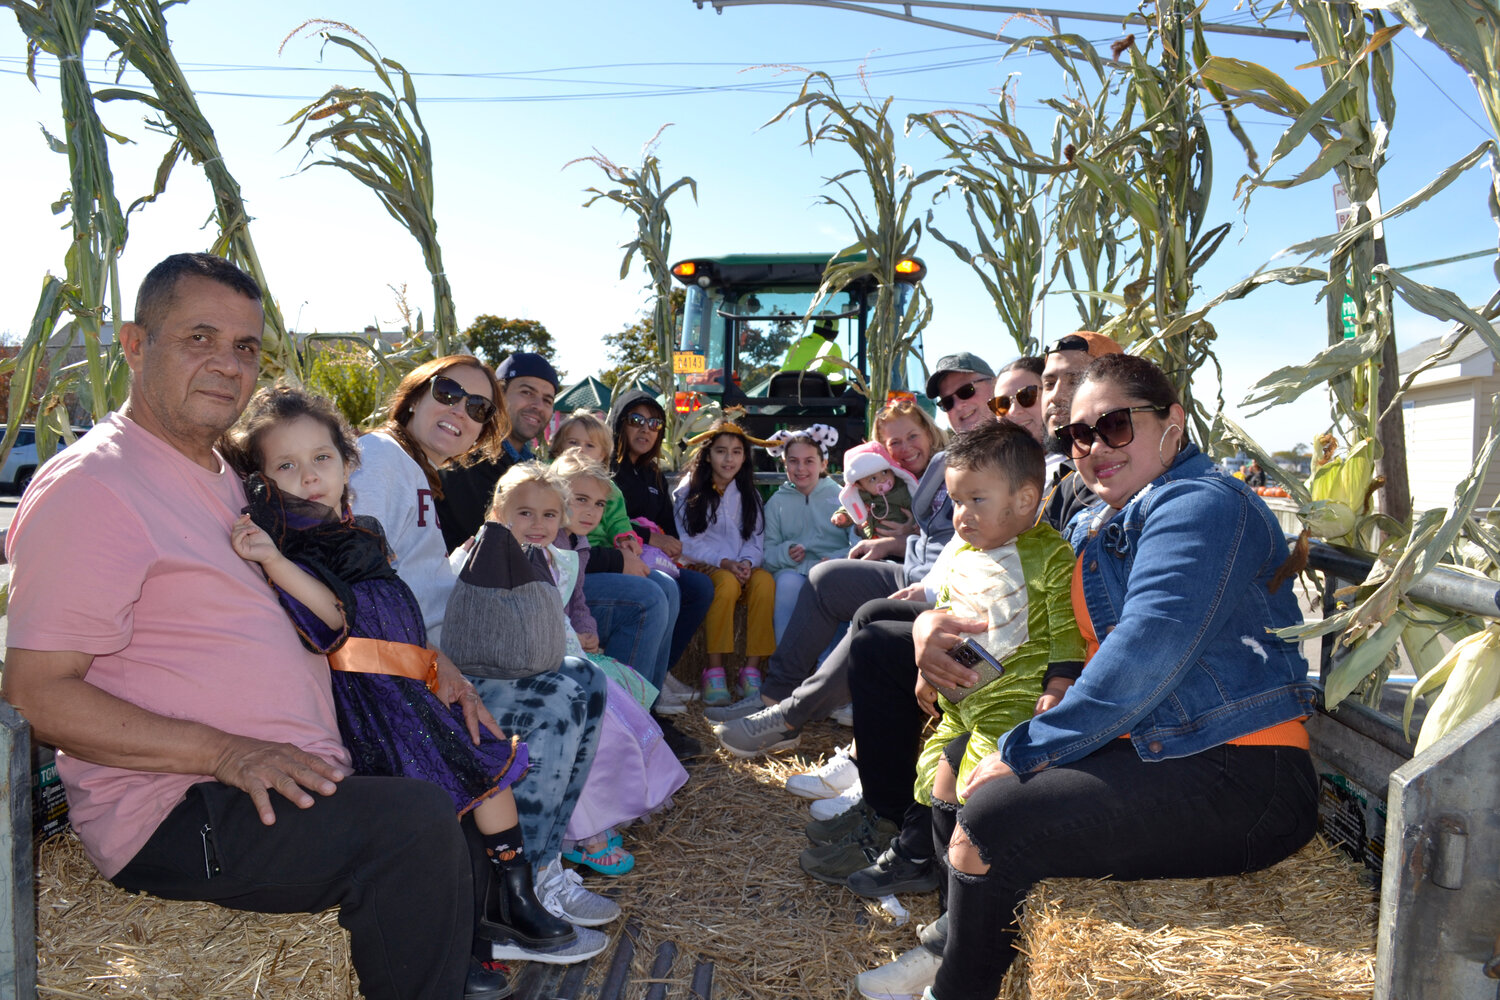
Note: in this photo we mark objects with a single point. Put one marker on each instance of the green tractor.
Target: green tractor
(746, 339)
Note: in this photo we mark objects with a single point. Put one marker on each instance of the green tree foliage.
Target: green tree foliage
(762, 346)
(346, 374)
(495, 338)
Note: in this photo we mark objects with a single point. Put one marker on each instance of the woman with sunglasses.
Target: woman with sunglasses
(639, 424)
(1018, 396)
(1182, 575)
(449, 412)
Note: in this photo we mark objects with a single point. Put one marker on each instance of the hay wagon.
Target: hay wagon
(1429, 826)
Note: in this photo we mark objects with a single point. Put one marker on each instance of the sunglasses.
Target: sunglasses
(1072, 342)
(965, 391)
(1025, 399)
(447, 392)
(1113, 428)
(640, 420)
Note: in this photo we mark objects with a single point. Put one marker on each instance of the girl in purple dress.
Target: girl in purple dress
(403, 708)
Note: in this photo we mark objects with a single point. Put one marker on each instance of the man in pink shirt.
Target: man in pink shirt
(166, 673)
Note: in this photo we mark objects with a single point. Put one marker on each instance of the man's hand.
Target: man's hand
(453, 686)
(936, 632)
(927, 697)
(256, 767)
(989, 769)
(877, 549)
(1052, 694)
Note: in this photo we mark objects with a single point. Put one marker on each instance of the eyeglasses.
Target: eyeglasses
(641, 420)
(1025, 399)
(1114, 428)
(447, 392)
(1072, 342)
(965, 391)
(898, 396)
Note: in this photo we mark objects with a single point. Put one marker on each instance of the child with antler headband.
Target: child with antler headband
(723, 527)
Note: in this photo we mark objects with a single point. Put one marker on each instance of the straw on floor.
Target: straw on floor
(718, 875)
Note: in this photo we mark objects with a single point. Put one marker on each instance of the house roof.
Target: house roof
(1414, 356)
(589, 394)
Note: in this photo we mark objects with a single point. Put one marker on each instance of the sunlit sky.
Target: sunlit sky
(513, 92)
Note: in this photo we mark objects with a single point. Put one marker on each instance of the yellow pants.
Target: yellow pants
(760, 604)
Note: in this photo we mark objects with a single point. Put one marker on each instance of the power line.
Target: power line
(1483, 129)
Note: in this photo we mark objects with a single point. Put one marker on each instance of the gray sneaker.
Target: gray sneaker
(748, 705)
(836, 862)
(763, 732)
(847, 825)
(588, 944)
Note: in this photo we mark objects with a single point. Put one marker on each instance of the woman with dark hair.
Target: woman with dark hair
(639, 423)
(1018, 396)
(449, 411)
(724, 529)
(1180, 752)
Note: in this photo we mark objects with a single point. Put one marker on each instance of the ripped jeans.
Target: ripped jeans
(1227, 810)
(557, 713)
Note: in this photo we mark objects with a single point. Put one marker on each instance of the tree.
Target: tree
(633, 348)
(496, 338)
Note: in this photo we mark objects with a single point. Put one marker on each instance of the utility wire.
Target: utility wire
(1482, 128)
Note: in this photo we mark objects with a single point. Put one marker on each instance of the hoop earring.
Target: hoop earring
(1167, 462)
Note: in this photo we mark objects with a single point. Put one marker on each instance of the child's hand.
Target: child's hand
(796, 553)
(742, 570)
(926, 697)
(589, 641)
(841, 518)
(630, 543)
(668, 544)
(633, 564)
(1056, 688)
(250, 543)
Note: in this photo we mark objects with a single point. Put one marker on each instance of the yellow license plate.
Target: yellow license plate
(687, 363)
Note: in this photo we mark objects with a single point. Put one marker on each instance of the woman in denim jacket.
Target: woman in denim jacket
(1178, 578)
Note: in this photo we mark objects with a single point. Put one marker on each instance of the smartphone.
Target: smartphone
(978, 659)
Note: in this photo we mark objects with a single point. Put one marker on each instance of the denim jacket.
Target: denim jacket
(1177, 588)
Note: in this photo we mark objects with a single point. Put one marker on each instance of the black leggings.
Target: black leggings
(1224, 811)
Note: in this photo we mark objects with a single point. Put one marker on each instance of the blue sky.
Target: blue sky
(512, 92)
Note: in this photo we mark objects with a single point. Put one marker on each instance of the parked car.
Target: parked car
(21, 464)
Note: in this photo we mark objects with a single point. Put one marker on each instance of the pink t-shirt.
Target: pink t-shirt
(121, 550)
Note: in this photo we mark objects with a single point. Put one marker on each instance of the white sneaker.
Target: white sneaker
(561, 891)
(675, 697)
(584, 947)
(843, 715)
(836, 774)
(904, 979)
(826, 809)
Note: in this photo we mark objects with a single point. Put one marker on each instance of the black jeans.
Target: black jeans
(1111, 815)
(888, 722)
(387, 851)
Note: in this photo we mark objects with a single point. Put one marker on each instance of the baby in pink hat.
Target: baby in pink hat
(876, 494)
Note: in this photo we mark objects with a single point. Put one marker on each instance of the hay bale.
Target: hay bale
(1301, 930)
(94, 939)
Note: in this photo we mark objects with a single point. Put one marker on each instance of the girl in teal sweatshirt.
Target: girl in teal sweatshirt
(799, 534)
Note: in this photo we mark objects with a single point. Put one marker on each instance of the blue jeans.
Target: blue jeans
(557, 713)
(695, 593)
(635, 616)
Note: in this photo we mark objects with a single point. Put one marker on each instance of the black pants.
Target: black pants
(888, 722)
(1111, 815)
(387, 851)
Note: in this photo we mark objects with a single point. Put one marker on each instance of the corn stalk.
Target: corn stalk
(379, 140)
(138, 29)
(882, 236)
(60, 28)
(639, 192)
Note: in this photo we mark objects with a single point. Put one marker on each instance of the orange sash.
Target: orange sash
(381, 656)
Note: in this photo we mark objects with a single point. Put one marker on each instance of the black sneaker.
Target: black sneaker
(891, 873)
(683, 746)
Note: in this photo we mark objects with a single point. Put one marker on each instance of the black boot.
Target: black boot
(485, 982)
(513, 913)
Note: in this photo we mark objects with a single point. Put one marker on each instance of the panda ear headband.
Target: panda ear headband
(822, 435)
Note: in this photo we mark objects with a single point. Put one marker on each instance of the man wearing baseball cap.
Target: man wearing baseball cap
(961, 384)
(1065, 360)
(528, 384)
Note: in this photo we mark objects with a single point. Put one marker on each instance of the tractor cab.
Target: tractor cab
(746, 338)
